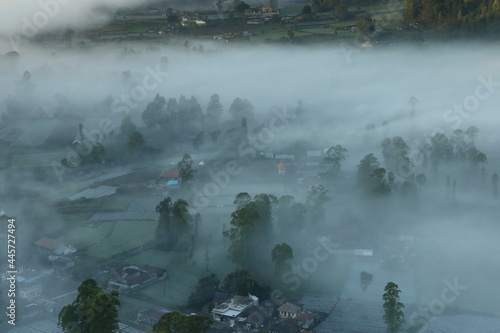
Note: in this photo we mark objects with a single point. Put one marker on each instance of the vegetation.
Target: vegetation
(93, 311)
(393, 308)
(176, 322)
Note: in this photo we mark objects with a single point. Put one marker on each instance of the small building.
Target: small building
(47, 245)
(30, 284)
(281, 168)
(232, 310)
(168, 177)
(289, 310)
(305, 319)
(134, 277)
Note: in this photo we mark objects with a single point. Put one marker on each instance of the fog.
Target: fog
(351, 97)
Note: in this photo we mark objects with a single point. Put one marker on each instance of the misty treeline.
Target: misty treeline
(265, 231)
(456, 18)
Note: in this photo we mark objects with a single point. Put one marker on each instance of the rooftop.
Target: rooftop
(289, 307)
(235, 305)
(48, 243)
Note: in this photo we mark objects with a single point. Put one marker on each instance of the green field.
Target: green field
(83, 237)
(111, 238)
(183, 274)
(125, 236)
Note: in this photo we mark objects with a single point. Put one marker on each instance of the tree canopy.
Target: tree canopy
(93, 311)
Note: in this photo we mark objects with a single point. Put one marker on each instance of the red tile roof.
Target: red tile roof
(48, 243)
(170, 174)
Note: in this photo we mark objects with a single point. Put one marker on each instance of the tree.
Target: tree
(241, 282)
(182, 222)
(318, 195)
(163, 233)
(136, 140)
(365, 168)
(241, 108)
(204, 291)
(176, 322)
(243, 233)
(155, 112)
(242, 199)
(334, 156)
(281, 254)
(98, 151)
(366, 25)
(185, 167)
(306, 10)
(290, 215)
(214, 111)
(393, 308)
(377, 185)
(68, 36)
(365, 279)
(127, 127)
(199, 140)
(93, 311)
(240, 6)
(494, 185)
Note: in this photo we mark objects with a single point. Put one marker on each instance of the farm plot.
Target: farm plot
(354, 316)
(91, 193)
(139, 209)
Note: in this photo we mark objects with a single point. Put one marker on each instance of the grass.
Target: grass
(124, 236)
(183, 275)
(83, 237)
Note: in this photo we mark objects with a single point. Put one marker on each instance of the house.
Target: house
(281, 168)
(168, 178)
(305, 319)
(133, 277)
(30, 284)
(232, 310)
(149, 317)
(47, 245)
(289, 310)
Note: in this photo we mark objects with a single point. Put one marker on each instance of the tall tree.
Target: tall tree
(494, 185)
(334, 157)
(93, 311)
(186, 171)
(241, 108)
(164, 234)
(281, 255)
(204, 292)
(243, 234)
(393, 308)
(155, 112)
(136, 141)
(365, 168)
(214, 112)
(127, 127)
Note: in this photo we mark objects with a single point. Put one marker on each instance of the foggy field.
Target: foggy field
(307, 169)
